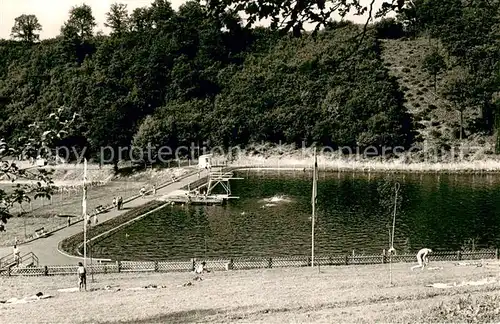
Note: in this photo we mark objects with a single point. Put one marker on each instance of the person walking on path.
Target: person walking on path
(119, 203)
(422, 258)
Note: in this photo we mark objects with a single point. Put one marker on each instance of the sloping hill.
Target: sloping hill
(438, 121)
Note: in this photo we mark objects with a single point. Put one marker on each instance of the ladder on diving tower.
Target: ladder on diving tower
(219, 177)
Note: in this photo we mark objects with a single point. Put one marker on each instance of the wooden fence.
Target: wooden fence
(244, 263)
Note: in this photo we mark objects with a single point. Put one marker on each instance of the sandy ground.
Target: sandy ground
(327, 295)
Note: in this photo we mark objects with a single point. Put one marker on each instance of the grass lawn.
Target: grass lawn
(335, 294)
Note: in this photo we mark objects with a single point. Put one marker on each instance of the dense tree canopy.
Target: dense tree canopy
(25, 28)
(118, 19)
(179, 77)
(288, 15)
(202, 74)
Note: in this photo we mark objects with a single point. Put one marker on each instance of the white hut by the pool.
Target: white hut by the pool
(205, 161)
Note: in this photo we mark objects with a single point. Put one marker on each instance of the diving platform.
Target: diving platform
(219, 177)
(193, 199)
(206, 193)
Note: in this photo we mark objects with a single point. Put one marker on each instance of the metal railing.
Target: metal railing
(28, 259)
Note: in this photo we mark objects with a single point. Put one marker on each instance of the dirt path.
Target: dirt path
(46, 249)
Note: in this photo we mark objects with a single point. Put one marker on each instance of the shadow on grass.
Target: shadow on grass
(130, 170)
(253, 313)
(191, 316)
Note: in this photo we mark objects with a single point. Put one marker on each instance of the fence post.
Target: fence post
(270, 263)
(119, 266)
(308, 261)
(459, 255)
(496, 254)
(193, 264)
(229, 265)
(45, 271)
(156, 266)
(346, 259)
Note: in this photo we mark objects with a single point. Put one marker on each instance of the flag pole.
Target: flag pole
(313, 202)
(84, 212)
(391, 250)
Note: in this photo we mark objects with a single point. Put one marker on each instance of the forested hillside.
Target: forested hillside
(175, 78)
(447, 64)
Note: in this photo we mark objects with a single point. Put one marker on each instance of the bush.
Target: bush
(388, 28)
(480, 309)
(435, 133)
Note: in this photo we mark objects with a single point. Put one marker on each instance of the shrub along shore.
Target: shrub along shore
(376, 164)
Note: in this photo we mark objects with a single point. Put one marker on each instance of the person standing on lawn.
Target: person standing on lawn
(82, 276)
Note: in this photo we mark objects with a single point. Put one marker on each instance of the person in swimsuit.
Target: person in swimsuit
(17, 254)
(422, 258)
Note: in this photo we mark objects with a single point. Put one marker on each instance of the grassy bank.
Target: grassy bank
(71, 244)
(331, 295)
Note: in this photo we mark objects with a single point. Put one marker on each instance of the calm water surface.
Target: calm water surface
(272, 218)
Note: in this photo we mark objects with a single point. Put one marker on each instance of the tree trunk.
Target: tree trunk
(461, 124)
